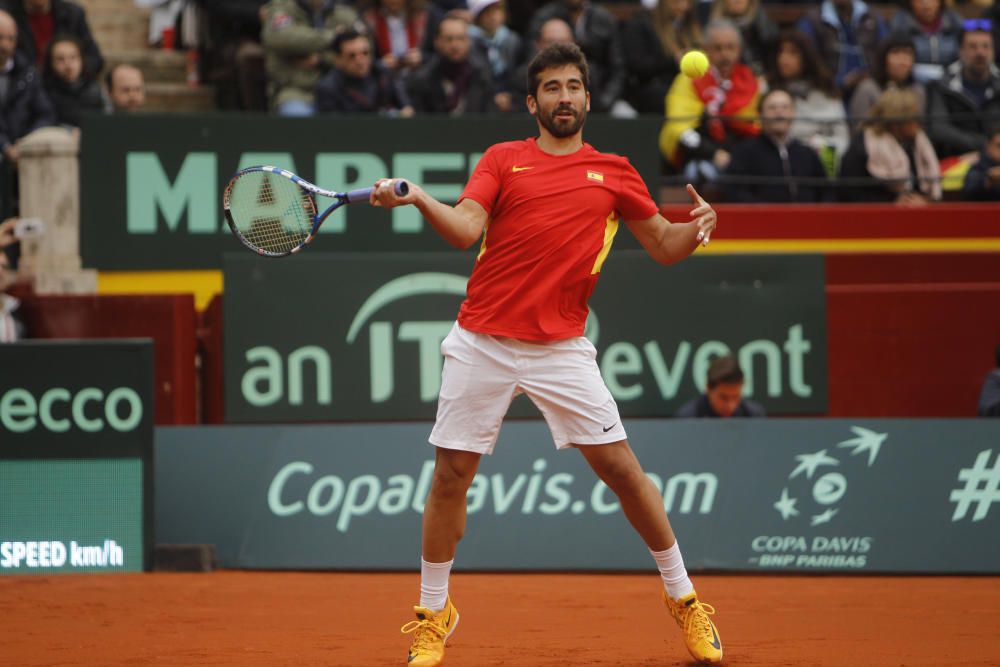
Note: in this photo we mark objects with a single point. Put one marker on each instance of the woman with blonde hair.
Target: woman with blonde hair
(894, 154)
(654, 40)
(759, 32)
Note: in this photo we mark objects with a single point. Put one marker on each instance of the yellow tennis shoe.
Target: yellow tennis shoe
(700, 634)
(430, 632)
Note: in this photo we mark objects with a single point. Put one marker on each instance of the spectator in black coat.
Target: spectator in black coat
(596, 33)
(71, 92)
(982, 181)
(38, 21)
(357, 84)
(966, 101)
(767, 168)
(650, 56)
(450, 81)
(24, 106)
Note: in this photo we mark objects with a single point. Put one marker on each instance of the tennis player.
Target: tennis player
(547, 210)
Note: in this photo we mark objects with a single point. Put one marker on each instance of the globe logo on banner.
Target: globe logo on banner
(815, 491)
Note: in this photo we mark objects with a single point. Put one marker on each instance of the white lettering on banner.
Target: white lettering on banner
(54, 554)
(982, 488)
(820, 551)
(349, 499)
(58, 410)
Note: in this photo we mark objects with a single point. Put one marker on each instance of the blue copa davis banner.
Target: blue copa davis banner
(803, 495)
(324, 337)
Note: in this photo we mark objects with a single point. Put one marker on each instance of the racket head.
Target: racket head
(269, 212)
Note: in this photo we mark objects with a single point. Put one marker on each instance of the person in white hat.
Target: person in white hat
(496, 44)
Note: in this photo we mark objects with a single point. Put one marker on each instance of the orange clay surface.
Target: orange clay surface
(264, 618)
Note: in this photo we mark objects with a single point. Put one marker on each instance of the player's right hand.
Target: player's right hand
(384, 193)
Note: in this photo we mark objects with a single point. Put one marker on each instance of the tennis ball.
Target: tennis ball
(694, 64)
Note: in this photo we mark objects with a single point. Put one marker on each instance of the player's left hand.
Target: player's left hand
(703, 215)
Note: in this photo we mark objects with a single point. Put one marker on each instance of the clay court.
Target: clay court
(261, 618)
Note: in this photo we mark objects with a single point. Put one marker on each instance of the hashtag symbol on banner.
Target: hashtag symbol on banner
(982, 486)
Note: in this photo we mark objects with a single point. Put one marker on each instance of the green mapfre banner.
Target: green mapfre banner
(357, 336)
(151, 186)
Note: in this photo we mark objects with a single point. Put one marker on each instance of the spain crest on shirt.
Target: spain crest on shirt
(595, 176)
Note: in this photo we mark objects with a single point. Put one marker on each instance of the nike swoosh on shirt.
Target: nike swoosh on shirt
(517, 169)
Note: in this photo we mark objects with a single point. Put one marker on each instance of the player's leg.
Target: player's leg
(617, 466)
(477, 385)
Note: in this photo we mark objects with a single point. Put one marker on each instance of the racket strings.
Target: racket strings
(270, 212)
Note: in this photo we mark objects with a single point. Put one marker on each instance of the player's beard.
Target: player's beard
(561, 130)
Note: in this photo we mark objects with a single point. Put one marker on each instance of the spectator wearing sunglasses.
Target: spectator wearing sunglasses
(966, 100)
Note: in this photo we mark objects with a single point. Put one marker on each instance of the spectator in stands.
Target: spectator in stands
(893, 154)
(11, 328)
(399, 29)
(595, 31)
(820, 119)
(982, 181)
(847, 35)
(766, 168)
(759, 32)
(654, 39)
(966, 101)
(357, 84)
(935, 32)
(297, 36)
(496, 45)
(24, 106)
(705, 117)
(450, 81)
(126, 87)
(70, 90)
(231, 55)
(723, 396)
(38, 21)
(892, 69)
(989, 396)
(553, 31)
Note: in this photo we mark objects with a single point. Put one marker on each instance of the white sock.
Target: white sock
(434, 584)
(671, 566)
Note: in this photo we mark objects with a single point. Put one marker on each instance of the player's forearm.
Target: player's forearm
(677, 240)
(453, 225)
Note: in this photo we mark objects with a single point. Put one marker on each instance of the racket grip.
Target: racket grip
(401, 188)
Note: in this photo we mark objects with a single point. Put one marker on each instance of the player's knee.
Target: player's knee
(453, 473)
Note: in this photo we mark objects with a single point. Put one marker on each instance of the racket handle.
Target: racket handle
(401, 188)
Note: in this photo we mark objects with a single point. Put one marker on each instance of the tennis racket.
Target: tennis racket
(273, 212)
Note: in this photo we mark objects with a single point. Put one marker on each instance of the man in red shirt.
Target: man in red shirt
(547, 210)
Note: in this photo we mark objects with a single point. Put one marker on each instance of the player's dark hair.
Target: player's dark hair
(346, 35)
(724, 370)
(557, 55)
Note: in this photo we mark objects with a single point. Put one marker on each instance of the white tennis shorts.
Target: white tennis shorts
(482, 375)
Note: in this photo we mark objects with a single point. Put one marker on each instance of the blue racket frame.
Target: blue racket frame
(340, 199)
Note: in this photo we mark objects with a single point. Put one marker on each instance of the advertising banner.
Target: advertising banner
(352, 336)
(76, 434)
(804, 495)
(151, 186)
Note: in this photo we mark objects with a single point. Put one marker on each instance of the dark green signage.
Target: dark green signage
(76, 429)
(800, 495)
(322, 337)
(152, 185)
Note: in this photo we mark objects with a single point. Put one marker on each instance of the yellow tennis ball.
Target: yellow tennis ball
(694, 64)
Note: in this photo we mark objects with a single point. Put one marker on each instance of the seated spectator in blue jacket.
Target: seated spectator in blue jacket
(935, 32)
(451, 81)
(767, 168)
(38, 21)
(70, 90)
(982, 181)
(989, 396)
(24, 106)
(723, 396)
(847, 34)
(358, 84)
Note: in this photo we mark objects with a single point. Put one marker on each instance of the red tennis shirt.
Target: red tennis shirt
(552, 221)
